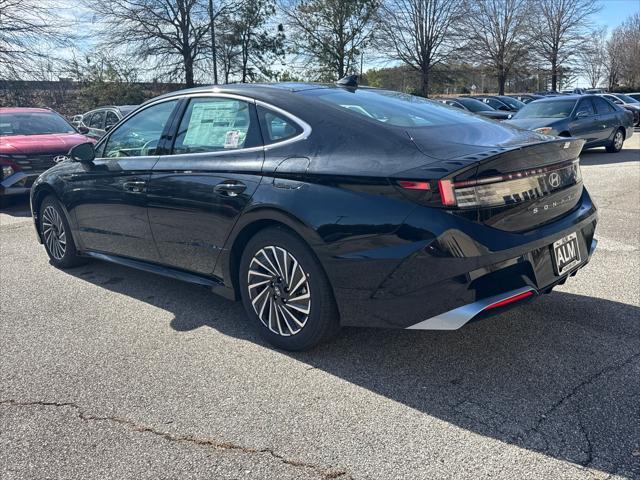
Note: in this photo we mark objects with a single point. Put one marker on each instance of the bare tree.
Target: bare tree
(623, 52)
(419, 32)
(330, 34)
(559, 27)
(171, 34)
(29, 32)
(498, 34)
(592, 56)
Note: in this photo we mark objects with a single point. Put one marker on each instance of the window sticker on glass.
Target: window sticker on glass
(234, 139)
(218, 123)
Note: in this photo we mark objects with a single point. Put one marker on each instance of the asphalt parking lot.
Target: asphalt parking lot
(107, 372)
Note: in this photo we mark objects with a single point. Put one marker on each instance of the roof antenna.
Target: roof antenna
(348, 81)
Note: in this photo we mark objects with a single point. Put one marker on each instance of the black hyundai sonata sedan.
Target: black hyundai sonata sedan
(325, 205)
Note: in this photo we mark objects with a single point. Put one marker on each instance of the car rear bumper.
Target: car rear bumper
(445, 281)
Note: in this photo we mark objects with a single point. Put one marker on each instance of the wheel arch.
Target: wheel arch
(38, 195)
(251, 223)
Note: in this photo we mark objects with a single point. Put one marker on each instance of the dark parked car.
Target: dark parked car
(590, 117)
(626, 102)
(31, 141)
(320, 206)
(476, 106)
(501, 102)
(527, 97)
(101, 120)
(635, 96)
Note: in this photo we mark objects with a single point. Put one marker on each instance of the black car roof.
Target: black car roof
(256, 90)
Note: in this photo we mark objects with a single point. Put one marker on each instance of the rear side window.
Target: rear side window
(276, 127)
(602, 106)
(216, 124)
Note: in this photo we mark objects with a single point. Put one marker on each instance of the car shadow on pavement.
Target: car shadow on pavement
(17, 206)
(601, 157)
(557, 376)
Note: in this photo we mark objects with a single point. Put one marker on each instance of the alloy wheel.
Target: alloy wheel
(279, 290)
(617, 140)
(54, 234)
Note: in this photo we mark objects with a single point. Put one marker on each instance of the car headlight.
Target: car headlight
(543, 130)
(7, 171)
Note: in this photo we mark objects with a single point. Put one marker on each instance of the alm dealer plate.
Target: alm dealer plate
(566, 253)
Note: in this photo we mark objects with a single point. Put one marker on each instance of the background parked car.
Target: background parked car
(76, 120)
(100, 120)
(501, 102)
(591, 117)
(31, 141)
(626, 102)
(526, 97)
(476, 106)
(635, 95)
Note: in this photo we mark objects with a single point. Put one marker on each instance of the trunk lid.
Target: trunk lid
(513, 187)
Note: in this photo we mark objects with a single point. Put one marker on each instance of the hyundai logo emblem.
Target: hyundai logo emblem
(554, 180)
(60, 158)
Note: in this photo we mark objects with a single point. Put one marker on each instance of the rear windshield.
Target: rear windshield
(555, 109)
(626, 98)
(33, 123)
(476, 105)
(512, 102)
(392, 108)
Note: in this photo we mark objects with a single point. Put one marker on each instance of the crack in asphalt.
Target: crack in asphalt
(324, 473)
(570, 395)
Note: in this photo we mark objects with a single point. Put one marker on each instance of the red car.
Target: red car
(31, 141)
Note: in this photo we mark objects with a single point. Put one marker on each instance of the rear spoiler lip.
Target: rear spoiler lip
(459, 167)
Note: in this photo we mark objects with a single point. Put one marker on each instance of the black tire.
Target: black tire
(322, 320)
(616, 144)
(56, 235)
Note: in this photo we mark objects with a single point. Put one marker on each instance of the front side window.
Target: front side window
(276, 127)
(140, 135)
(586, 107)
(97, 120)
(112, 119)
(215, 124)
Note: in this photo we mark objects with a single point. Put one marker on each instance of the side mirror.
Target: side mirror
(83, 130)
(83, 152)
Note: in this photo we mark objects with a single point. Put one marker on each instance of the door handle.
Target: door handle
(230, 188)
(135, 186)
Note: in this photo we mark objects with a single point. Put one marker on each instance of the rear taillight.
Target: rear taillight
(498, 190)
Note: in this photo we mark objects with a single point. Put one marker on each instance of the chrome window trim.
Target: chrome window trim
(306, 128)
